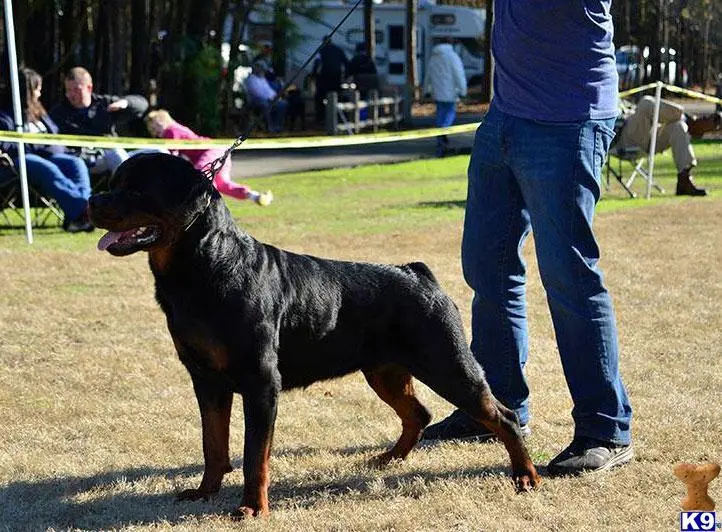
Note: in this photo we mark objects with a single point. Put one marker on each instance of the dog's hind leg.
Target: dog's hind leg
(394, 385)
(460, 380)
(215, 404)
(503, 422)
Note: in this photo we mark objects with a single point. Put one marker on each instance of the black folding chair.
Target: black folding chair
(637, 160)
(44, 210)
(629, 155)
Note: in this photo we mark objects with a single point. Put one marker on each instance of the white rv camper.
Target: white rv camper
(434, 22)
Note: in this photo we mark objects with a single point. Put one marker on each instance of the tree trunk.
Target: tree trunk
(370, 29)
(411, 67)
(488, 87)
(278, 58)
(227, 99)
(140, 41)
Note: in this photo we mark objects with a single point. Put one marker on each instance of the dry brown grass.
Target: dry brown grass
(100, 427)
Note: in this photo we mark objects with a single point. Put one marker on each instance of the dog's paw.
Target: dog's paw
(384, 459)
(194, 495)
(246, 512)
(526, 482)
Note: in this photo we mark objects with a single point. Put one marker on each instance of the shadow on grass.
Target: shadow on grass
(19, 228)
(86, 502)
(453, 204)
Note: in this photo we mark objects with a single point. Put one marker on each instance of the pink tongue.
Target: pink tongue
(111, 237)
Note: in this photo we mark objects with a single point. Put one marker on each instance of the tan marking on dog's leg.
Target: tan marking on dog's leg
(255, 488)
(502, 422)
(394, 385)
(216, 421)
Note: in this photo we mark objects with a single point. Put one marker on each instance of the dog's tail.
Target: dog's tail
(421, 270)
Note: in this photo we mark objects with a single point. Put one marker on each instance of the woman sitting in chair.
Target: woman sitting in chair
(51, 169)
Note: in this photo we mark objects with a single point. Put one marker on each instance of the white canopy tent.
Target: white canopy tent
(15, 87)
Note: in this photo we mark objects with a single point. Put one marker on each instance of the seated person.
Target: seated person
(84, 112)
(161, 124)
(51, 169)
(674, 131)
(261, 94)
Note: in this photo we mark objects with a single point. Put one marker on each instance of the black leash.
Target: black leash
(212, 168)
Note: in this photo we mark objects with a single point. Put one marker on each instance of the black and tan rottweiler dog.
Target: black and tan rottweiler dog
(249, 318)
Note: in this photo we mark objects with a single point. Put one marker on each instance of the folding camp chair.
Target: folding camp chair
(44, 209)
(637, 159)
(631, 155)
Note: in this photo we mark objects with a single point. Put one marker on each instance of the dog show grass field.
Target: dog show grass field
(101, 427)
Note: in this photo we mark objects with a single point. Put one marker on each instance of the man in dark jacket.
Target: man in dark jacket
(330, 69)
(83, 112)
(362, 71)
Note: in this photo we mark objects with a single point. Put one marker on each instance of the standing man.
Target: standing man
(536, 164)
(329, 69)
(83, 112)
(446, 82)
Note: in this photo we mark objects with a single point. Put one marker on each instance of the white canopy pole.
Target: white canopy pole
(653, 140)
(15, 85)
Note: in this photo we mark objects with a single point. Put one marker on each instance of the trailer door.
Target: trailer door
(396, 54)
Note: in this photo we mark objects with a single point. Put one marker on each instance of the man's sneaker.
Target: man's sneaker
(587, 455)
(461, 426)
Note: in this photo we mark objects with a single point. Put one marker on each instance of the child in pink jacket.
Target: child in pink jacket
(161, 124)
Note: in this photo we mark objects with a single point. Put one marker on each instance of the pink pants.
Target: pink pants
(222, 179)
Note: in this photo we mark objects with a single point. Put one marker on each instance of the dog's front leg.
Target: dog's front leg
(215, 402)
(259, 409)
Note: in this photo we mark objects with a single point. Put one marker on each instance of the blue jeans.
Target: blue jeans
(528, 175)
(445, 116)
(275, 115)
(63, 177)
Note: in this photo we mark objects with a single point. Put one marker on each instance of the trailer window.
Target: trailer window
(443, 19)
(396, 69)
(356, 36)
(396, 38)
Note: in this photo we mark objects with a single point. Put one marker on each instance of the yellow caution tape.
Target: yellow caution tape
(672, 88)
(694, 94)
(635, 90)
(250, 144)
(88, 141)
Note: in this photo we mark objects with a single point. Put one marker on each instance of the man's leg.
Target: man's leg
(51, 181)
(445, 116)
(113, 158)
(495, 227)
(675, 135)
(278, 114)
(558, 168)
(321, 92)
(74, 169)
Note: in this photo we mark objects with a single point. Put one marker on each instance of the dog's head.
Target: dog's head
(155, 197)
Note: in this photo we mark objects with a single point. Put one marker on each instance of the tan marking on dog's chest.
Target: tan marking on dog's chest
(209, 353)
(160, 259)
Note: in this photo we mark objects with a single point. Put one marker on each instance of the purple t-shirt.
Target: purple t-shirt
(554, 59)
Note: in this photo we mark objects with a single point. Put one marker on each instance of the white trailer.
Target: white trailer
(434, 22)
